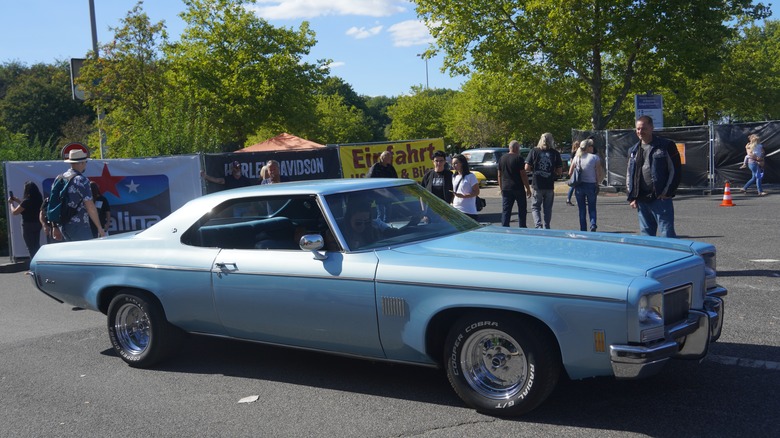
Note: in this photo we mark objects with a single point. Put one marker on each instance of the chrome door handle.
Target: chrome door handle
(226, 268)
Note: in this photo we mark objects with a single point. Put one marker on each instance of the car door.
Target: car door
(287, 296)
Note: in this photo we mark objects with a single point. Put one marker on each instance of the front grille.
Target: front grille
(677, 302)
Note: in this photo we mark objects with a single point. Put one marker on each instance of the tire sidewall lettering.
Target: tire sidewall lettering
(467, 331)
(127, 299)
(469, 370)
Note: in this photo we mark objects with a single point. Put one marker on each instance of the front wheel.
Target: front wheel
(501, 365)
(138, 330)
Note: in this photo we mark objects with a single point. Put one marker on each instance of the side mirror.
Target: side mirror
(313, 243)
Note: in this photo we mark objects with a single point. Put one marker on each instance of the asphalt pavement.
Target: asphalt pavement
(59, 376)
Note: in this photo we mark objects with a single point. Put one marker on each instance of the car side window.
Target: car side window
(489, 157)
(275, 223)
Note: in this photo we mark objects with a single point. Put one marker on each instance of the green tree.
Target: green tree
(339, 122)
(752, 75)
(610, 47)
(420, 114)
(334, 85)
(37, 101)
(377, 113)
(241, 72)
(494, 108)
(17, 147)
(128, 82)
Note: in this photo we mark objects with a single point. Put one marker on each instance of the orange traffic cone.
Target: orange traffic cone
(727, 196)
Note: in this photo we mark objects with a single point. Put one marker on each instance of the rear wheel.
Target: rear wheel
(138, 330)
(501, 365)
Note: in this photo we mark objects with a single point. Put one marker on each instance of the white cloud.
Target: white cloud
(337, 64)
(410, 33)
(360, 33)
(306, 9)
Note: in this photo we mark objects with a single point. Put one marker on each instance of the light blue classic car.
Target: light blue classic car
(309, 265)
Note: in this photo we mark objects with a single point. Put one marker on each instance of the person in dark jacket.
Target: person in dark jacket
(29, 207)
(512, 180)
(439, 180)
(653, 174)
(103, 208)
(383, 169)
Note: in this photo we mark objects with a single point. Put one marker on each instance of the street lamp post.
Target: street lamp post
(426, 74)
(422, 55)
(101, 114)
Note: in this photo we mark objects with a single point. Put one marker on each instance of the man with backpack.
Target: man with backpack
(76, 205)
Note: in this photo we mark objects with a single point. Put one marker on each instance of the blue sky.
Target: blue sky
(374, 44)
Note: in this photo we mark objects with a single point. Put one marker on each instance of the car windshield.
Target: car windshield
(387, 216)
(474, 157)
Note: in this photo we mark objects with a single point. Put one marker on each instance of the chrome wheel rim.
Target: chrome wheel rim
(494, 364)
(132, 329)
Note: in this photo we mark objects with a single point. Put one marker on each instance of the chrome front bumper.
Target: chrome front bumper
(687, 340)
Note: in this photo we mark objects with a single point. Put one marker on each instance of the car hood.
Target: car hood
(616, 254)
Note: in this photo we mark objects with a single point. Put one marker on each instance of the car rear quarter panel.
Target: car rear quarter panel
(178, 276)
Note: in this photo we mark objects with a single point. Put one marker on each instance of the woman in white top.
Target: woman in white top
(465, 187)
(591, 175)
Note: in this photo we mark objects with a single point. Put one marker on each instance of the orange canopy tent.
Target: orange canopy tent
(283, 142)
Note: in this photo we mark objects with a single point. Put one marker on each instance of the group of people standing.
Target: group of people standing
(545, 166)
(653, 174)
(459, 188)
(269, 174)
(90, 216)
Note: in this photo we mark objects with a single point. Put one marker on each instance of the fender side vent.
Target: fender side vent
(393, 306)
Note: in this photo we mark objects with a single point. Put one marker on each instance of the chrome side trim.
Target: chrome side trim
(501, 290)
(323, 277)
(126, 265)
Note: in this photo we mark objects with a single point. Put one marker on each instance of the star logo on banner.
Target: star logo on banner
(132, 187)
(106, 182)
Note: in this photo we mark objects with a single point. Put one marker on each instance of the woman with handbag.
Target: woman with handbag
(466, 187)
(588, 166)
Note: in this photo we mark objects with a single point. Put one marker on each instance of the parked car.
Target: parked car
(485, 160)
(566, 160)
(307, 265)
(480, 178)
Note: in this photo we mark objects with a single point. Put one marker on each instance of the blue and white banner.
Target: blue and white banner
(139, 191)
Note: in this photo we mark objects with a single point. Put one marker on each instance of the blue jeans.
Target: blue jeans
(73, 231)
(656, 216)
(543, 202)
(586, 198)
(508, 200)
(756, 170)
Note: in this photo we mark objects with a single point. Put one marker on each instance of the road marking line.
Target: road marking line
(766, 261)
(746, 363)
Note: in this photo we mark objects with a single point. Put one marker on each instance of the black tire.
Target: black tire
(501, 365)
(138, 330)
